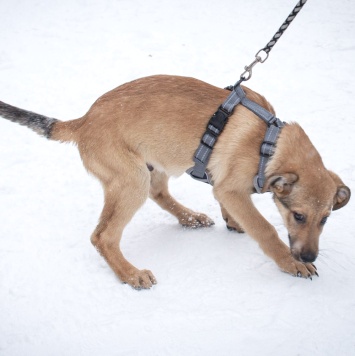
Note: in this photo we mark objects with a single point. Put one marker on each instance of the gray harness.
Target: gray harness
(215, 127)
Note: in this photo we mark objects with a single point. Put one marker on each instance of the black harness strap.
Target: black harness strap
(215, 127)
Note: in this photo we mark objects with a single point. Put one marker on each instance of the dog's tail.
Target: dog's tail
(50, 128)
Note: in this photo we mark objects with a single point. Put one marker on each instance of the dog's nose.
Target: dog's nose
(308, 256)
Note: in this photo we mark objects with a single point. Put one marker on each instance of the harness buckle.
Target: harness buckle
(219, 118)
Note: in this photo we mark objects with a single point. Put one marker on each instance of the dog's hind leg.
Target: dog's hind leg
(125, 191)
(232, 225)
(159, 192)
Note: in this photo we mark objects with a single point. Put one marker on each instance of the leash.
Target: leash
(266, 50)
(237, 96)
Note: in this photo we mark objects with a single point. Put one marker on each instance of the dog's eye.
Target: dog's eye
(324, 220)
(299, 217)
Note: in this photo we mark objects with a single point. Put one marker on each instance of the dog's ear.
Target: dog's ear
(341, 197)
(343, 193)
(282, 184)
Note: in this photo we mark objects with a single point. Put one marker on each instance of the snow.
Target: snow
(217, 293)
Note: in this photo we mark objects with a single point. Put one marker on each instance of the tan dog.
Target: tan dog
(138, 135)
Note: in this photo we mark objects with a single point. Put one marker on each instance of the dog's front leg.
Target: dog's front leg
(232, 225)
(241, 208)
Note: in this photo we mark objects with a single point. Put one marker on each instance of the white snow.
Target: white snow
(217, 293)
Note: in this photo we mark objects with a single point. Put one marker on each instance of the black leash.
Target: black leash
(237, 96)
(259, 58)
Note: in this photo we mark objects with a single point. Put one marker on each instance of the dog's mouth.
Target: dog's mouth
(296, 254)
(301, 254)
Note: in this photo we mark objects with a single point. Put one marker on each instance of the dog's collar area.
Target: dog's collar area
(215, 127)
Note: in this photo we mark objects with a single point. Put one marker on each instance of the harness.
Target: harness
(216, 125)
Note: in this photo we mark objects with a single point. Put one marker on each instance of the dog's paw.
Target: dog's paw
(195, 220)
(297, 268)
(140, 279)
(231, 224)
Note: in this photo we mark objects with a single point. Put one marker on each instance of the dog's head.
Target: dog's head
(305, 202)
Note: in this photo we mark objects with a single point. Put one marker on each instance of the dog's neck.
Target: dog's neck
(293, 146)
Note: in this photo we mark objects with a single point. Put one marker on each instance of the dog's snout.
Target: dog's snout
(308, 256)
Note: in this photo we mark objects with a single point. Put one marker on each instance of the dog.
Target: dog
(136, 136)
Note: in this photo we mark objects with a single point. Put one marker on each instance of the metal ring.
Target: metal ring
(262, 60)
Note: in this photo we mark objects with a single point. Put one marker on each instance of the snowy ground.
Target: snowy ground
(217, 293)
